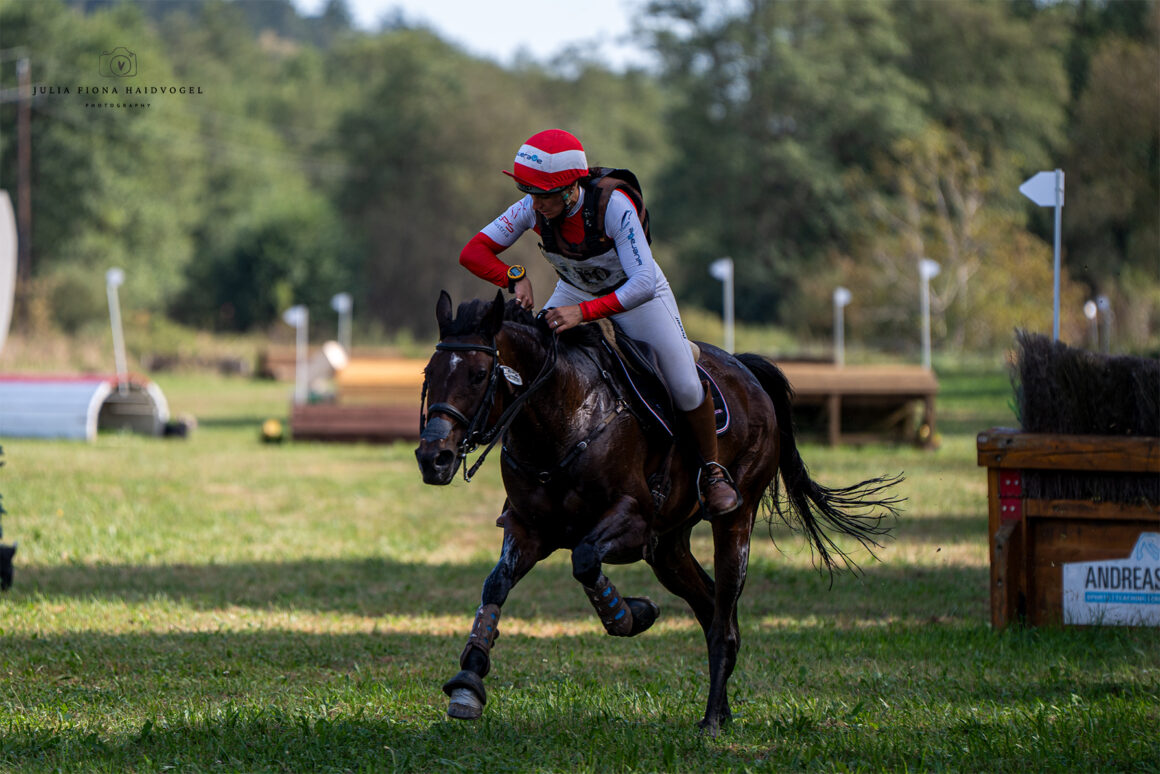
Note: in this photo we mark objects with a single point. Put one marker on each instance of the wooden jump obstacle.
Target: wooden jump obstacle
(1034, 539)
(888, 393)
(355, 423)
(76, 407)
(377, 400)
(381, 380)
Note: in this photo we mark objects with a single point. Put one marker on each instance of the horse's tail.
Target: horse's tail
(857, 511)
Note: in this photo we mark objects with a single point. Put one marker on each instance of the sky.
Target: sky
(500, 29)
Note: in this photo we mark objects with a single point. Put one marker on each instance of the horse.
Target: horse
(586, 469)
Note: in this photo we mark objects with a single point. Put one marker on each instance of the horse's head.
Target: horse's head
(460, 385)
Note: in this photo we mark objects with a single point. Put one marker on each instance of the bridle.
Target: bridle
(476, 432)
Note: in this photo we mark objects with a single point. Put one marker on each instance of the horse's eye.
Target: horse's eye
(478, 376)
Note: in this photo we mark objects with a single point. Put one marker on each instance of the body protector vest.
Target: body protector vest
(592, 264)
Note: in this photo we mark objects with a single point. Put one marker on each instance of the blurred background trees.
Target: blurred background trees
(816, 142)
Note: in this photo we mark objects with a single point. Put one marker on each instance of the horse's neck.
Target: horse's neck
(570, 400)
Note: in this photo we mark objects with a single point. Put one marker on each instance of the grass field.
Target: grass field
(219, 604)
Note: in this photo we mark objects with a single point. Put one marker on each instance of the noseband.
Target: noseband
(476, 433)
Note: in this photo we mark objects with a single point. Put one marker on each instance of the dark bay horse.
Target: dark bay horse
(583, 472)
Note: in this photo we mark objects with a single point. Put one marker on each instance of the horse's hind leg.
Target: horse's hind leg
(714, 601)
(466, 691)
(730, 563)
(679, 571)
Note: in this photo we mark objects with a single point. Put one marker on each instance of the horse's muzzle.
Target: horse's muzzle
(437, 463)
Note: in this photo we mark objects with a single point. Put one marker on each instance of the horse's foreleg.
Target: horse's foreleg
(620, 533)
(730, 562)
(466, 689)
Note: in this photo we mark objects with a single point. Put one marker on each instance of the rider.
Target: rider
(605, 269)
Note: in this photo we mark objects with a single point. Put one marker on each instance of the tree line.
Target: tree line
(816, 142)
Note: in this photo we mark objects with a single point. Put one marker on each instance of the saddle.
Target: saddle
(648, 392)
(633, 372)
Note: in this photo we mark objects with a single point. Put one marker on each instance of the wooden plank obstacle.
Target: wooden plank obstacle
(354, 423)
(1034, 537)
(377, 400)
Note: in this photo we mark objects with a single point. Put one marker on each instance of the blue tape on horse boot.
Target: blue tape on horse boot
(484, 631)
(611, 607)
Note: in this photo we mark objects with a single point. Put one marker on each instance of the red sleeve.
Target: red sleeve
(605, 306)
(479, 257)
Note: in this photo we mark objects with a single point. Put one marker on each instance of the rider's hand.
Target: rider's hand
(524, 293)
(561, 318)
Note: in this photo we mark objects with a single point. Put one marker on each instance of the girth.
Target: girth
(544, 476)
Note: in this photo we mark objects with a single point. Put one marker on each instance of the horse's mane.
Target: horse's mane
(580, 336)
(470, 314)
(513, 311)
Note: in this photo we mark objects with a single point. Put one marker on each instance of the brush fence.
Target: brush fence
(1068, 560)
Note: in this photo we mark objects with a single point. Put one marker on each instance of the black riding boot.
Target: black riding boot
(716, 486)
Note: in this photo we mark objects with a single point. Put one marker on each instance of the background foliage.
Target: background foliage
(817, 142)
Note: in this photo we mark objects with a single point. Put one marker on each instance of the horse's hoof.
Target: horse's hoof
(712, 725)
(644, 613)
(467, 696)
(465, 705)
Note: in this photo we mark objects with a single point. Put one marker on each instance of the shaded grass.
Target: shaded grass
(806, 696)
(218, 604)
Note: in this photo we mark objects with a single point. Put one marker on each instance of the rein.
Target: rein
(476, 434)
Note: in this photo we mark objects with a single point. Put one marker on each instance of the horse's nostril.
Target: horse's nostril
(444, 458)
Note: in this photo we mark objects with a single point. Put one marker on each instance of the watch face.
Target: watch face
(516, 272)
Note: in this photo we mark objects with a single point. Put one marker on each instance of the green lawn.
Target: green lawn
(220, 604)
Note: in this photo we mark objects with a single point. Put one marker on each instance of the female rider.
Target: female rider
(590, 226)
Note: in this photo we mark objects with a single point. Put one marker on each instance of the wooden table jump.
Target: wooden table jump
(891, 389)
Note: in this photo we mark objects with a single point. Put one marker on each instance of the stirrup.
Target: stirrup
(714, 477)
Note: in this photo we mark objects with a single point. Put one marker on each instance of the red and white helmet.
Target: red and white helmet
(548, 162)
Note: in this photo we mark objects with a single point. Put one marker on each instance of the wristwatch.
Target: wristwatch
(514, 275)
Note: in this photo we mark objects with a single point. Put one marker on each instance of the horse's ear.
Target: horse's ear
(493, 320)
(443, 311)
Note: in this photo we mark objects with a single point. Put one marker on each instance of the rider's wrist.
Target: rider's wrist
(515, 274)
